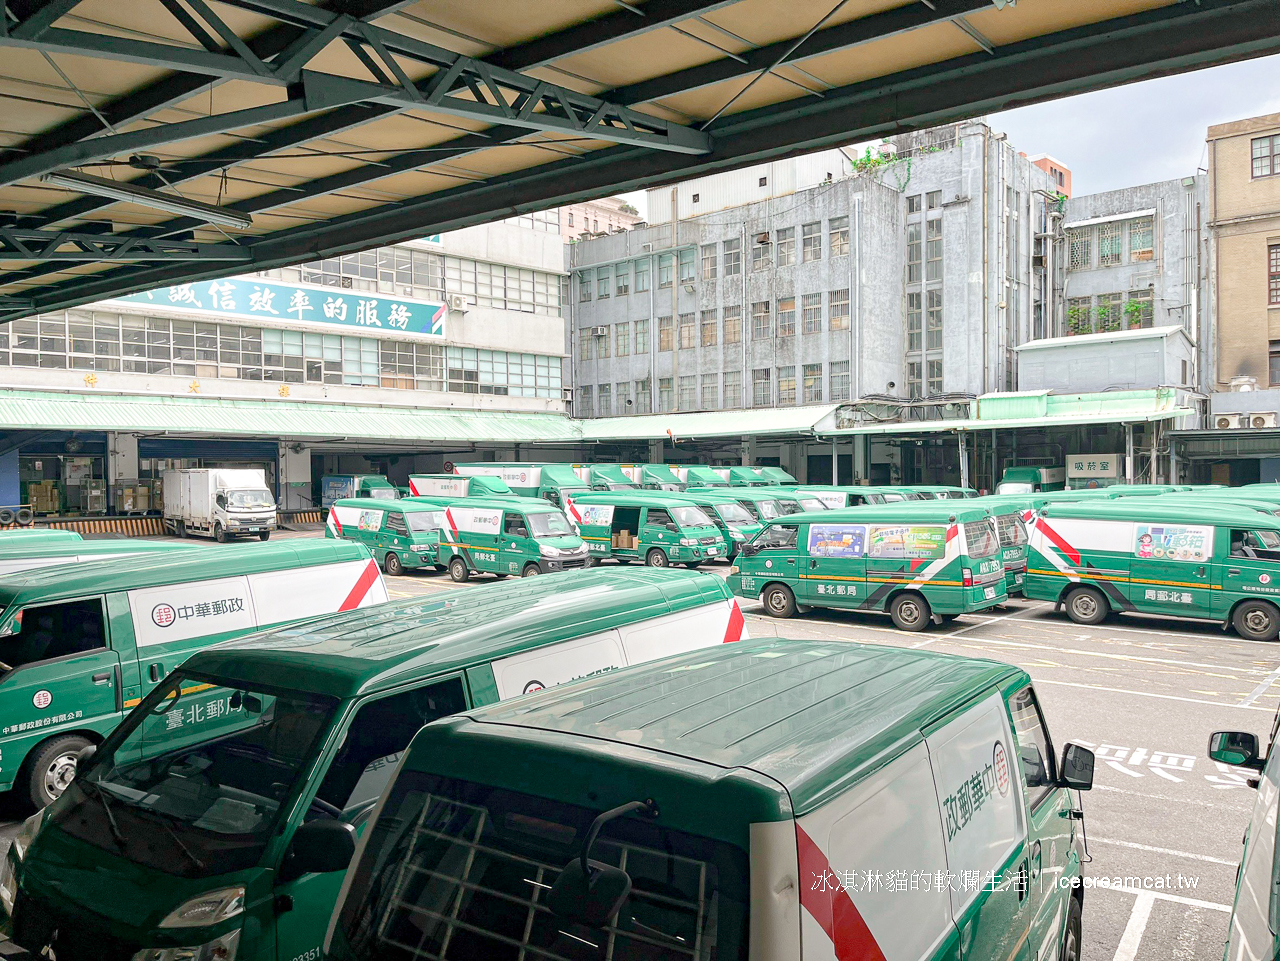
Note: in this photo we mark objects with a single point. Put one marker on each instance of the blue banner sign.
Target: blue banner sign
(249, 299)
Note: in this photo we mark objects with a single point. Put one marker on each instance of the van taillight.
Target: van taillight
(968, 577)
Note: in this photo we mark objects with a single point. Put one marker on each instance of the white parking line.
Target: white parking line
(1155, 850)
(974, 627)
(1262, 688)
(1130, 657)
(1163, 697)
(1127, 949)
(1161, 896)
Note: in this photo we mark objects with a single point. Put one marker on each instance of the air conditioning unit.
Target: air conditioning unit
(1265, 418)
(762, 238)
(1226, 421)
(599, 331)
(457, 302)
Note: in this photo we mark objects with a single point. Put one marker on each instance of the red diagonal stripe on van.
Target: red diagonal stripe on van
(832, 908)
(952, 532)
(1058, 541)
(337, 524)
(367, 579)
(413, 488)
(736, 622)
(573, 508)
(453, 525)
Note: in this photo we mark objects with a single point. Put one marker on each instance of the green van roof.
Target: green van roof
(636, 498)
(407, 504)
(37, 534)
(1159, 511)
(814, 716)
(172, 567)
(534, 505)
(115, 545)
(900, 512)
(371, 648)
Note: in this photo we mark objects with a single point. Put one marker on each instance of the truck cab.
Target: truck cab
(337, 486)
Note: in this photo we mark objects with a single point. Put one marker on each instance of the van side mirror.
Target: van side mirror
(749, 550)
(1237, 748)
(522, 532)
(1077, 768)
(320, 847)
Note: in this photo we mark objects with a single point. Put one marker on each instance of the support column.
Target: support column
(1128, 453)
(295, 479)
(748, 451)
(1173, 461)
(861, 458)
(655, 450)
(122, 462)
(10, 489)
(964, 460)
(835, 463)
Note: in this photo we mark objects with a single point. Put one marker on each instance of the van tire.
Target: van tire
(219, 534)
(910, 612)
(1071, 934)
(264, 535)
(1256, 620)
(458, 570)
(530, 570)
(1086, 605)
(50, 768)
(656, 558)
(778, 601)
(24, 516)
(391, 564)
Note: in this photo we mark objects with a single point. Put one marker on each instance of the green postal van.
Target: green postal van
(920, 562)
(651, 526)
(402, 534)
(772, 800)
(227, 840)
(1204, 561)
(736, 524)
(508, 535)
(80, 645)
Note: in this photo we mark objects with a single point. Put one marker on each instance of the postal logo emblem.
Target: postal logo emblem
(42, 699)
(162, 615)
(1000, 761)
(533, 686)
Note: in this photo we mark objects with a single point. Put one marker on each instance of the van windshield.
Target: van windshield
(980, 538)
(768, 509)
(788, 506)
(735, 515)
(690, 517)
(456, 871)
(204, 808)
(549, 524)
(812, 504)
(1015, 487)
(1013, 533)
(259, 500)
(420, 522)
(384, 493)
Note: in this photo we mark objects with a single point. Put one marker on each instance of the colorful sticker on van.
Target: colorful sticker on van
(837, 540)
(1169, 543)
(925, 543)
(370, 520)
(595, 515)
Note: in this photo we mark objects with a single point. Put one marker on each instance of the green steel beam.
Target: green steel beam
(76, 246)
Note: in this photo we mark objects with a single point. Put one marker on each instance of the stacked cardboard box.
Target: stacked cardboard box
(623, 540)
(44, 497)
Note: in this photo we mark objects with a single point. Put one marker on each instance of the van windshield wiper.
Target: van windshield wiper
(101, 795)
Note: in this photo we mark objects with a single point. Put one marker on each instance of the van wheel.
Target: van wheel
(391, 564)
(656, 558)
(1086, 605)
(779, 601)
(264, 535)
(458, 570)
(51, 768)
(910, 612)
(1071, 936)
(219, 534)
(530, 570)
(1256, 620)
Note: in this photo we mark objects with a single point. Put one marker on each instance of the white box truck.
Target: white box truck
(218, 502)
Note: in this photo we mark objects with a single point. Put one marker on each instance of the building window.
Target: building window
(622, 391)
(838, 309)
(915, 321)
(733, 388)
(604, 279)
(1273, 274)
(710, 328)
(489, 285)
(1109, 245)
(686, 265)
(570, 218)
(761, 253)
(604, 400)
(935, 378)
(915, 379)
(642, 276)
(811, 310)
(915, 253)
(584, 408)
(688, 332)
(761, 388)
(732, 257)
(666, 333)
(595, 225)
(664, 395)
(1142, 239)
(644, 397)
(1275, 363)
(642, 337)
(1080, 249)
(813, 383)
(622, 339)
(1266, 156)
(602, 344)
(839, 380)
(709, 262)
(913, 204)
(786, 386)
(623, 285)
(933, 199)
(786, 316)
(689, 392)
(810, 242)
(761, 324)
(586, 349)
(786, 246)
(1138, 311)
(933, 250)
(933, 320)
(666, 263)
(584, 286)
(839, 236)
(710, 383)
(733, 325)
(1079, 315)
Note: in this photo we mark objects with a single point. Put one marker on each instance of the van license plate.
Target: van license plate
(713, 550)
(989, 593)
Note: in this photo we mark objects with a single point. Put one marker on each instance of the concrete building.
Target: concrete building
(606, 215)
(1056, 169)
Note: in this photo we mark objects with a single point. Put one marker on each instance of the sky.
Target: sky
(1140, 133)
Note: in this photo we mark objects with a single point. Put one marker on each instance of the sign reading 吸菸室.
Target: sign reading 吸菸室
(251, 299)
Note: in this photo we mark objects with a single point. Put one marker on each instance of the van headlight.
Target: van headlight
(219, 949)
(206, 909)
(688, 542)
(548, 551)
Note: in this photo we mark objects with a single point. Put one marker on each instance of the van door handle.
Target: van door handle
(155, 671)
(1022, 880)
(1233, 572)
(102, 678)
(812, 565)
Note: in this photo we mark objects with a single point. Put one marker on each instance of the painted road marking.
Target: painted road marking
(1163, 697)
(1127, 949)
(1262, 688)
(1170, 851)
(1161, 896)
(974, 627)
(1242, 808)
(1136, 658)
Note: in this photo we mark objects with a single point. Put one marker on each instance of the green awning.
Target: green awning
(713, 423)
